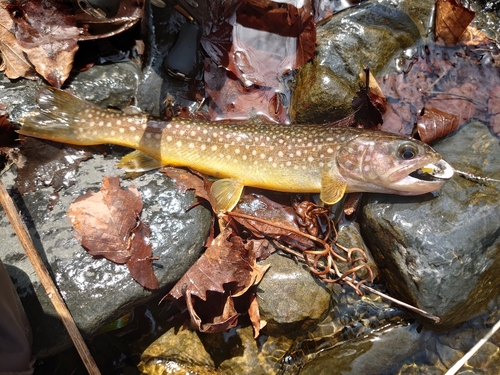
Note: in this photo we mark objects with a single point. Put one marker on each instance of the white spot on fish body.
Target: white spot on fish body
(118, 122)
(137, 138)
(203, 147)
(214, 148)
(178, 144)
(329, 150)
(169, 138)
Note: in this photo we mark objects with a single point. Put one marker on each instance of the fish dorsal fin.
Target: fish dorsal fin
(332, 189)
(227, 193)
(137, 161)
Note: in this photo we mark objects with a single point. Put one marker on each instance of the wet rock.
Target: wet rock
(369, 34)
(290, 297)
(351, 318)
(442, 253)
(177, 351)
(369, 354)
(349, 236)
(95, 290)
(232, 352)
(98, 291)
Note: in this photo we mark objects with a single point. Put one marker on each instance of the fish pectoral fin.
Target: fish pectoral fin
(332, 189)
(137, 161)
(227, 193)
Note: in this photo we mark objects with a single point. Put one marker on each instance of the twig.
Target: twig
(48, 284)
(361, 285)
(454, 369)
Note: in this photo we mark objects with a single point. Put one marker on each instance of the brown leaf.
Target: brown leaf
(37, 35)
(268, 40)
(107, 224)
(8, 136)
(369, 103)
(435, 124)
(451, 20)
(189, 181)
(49, 164)
(139, 263)
(282, 217)
(225, 271)
(104, 221)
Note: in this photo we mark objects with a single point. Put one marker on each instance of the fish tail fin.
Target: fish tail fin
(63, 118)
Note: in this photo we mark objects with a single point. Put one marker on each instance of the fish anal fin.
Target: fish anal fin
(332, 189)
(227, 193)
(137, 161)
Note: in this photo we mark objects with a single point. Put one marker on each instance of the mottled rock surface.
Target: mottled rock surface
(366, 35)
(96, 291)
(442, 253)
(290, 297)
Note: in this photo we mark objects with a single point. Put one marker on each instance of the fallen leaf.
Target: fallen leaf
(8, 136)
(282, 218)
(435, 124)
(49, 164)
(224, 272)
(451, 20)
(37, 35)
(268, 40)
(186, 180)
(107, 225)
(139, 263)
(369, 103)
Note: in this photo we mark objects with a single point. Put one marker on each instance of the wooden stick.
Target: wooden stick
(46, 280)
(457, 366)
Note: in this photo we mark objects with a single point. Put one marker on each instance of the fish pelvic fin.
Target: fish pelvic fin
(137, 161)
(332, 189)
(227, 193)
(62, 118)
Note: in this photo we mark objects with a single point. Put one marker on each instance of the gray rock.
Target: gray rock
(98, 291)
(442, 253)
(366, 35)
(290, 297)
(95, 290)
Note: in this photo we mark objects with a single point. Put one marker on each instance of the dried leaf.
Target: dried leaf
(104, 221)
(139, 263)
(8, 136)
(37, 35)
(282, 217)
(49, 164)
(225, 271)
(190, 181)
(435, 124)
(107, 224)
(269, 40)
(369, 103)
(451, 20)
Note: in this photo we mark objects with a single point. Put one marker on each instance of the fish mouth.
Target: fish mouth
(439, 172)
(425, 179)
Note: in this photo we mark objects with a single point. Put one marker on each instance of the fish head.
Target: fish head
(382, 162)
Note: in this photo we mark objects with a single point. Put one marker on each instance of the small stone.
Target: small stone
(290, 297)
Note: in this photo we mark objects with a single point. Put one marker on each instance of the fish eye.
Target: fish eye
(407, 151)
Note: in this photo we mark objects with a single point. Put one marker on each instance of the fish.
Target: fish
(314, 158)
